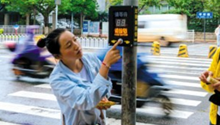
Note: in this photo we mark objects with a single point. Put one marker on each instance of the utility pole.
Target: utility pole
(129, 79)
(57, 2)
(72, 20)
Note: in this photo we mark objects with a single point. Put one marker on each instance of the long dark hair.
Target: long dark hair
(52, 41)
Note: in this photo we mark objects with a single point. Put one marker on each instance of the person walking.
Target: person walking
(79, 81)
(217, 34)
(214, 71)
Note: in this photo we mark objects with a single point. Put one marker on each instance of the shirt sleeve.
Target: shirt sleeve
(212, 68)
(77, 95)
(101, 77)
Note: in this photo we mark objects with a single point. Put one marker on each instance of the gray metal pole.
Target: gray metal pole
(56, 16)
(72, 22)
(129, 79)
(204, 30)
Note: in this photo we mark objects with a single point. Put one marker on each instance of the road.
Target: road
(30, 101)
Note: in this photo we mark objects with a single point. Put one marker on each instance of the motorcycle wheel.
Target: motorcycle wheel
(165, 103)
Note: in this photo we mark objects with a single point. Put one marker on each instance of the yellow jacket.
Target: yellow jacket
(215, 68)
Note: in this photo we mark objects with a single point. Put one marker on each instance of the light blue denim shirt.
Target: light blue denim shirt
(77, 98)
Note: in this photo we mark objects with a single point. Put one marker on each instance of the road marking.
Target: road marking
(161, 71)
(158, 111)
(179, 58)
(34, 95)
(177, 67)
(175, 60)
(51, 97)
(31, 110)
(6, 56)
(185, 102)
(7, 123)
(46, 86)
(178, 83)
(179, 63)
(180, 77)
(112, 121)
(187, 92)
(174, 91)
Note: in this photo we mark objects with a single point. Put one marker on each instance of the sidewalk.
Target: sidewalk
(110, 121)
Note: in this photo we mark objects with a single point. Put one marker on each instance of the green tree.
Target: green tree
(82, 7)
(2, 6)
(142, 4)
(45, 7)
(213, 6)
(190, 8)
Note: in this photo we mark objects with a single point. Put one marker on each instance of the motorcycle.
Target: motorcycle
(28, 59)
(150, 86)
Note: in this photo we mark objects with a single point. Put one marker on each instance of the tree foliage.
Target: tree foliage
(86, 7)
(45, 7)
(191, 7)
(213, 6)
(142, 4)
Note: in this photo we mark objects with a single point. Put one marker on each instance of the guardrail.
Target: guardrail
(190, 36)
(86, 42)
(93, 43)
(9, 29)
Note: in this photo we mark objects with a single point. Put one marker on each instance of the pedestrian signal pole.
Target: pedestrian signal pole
(123, 26)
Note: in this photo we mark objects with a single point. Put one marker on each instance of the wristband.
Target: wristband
(106, 65)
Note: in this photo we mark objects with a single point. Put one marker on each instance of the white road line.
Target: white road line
(179, 63)
(35, 95)
(187, 92)
(112, 121)
(176, 60)
(163, 71)
(177, 67)
(179, 58)
(178, 83)
(46, 86)
(186, 102)
(174, 91)
(196, 78)
(158, 111)
(7, 123)
(31, 110)
(6, 56)
(51, 97)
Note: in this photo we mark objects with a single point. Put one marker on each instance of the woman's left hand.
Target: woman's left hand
(104, 107)
(216, 86)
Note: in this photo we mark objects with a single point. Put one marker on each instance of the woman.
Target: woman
(217, 33)
(214, 71)
(79, 81)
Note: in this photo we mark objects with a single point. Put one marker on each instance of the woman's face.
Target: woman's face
(70, 49)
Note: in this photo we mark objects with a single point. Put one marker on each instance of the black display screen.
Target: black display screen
(120, 18)
(123, 25)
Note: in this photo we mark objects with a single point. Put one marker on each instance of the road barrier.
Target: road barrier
(9, 29)
(183, 52)
(93, 43)
(9, 37)
(155, 50)
(212, 50)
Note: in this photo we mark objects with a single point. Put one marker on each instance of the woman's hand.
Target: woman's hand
(113, 55)
(104, 107)
(204, 75)
(216, 86)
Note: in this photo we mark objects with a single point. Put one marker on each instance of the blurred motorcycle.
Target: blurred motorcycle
(150, 86)
(28, 59)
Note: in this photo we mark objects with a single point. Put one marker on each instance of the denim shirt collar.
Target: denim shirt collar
(69, 72)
